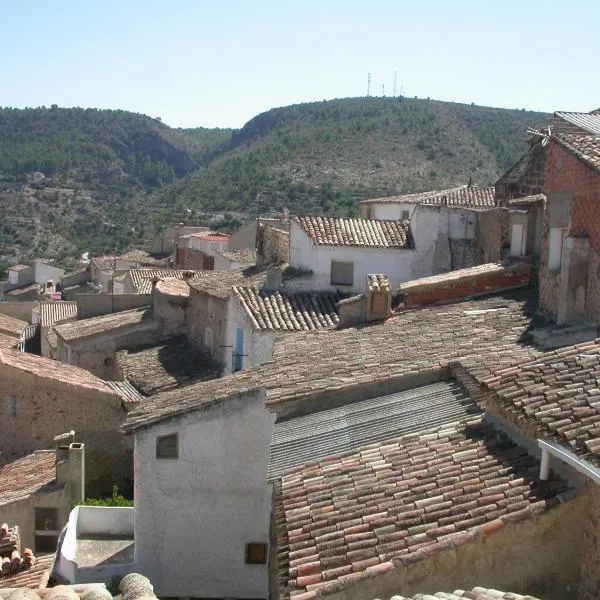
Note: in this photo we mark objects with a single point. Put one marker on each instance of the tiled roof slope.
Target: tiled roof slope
(279, 311)
(26, 475)
(370, 233)
(355, 515)
(11, 326)
(52, 370)
(241, 256)
(221, 283)
(9, 342)
(142, 278)
(556, 396)
(486, 334)
(476, 593)
(104, 263)
(104, 324)
(527, 200)
(34, 577)
(470, 196)
(172, 364)
(57, 311)
(142, 257)
(173, 287)
(584, 147)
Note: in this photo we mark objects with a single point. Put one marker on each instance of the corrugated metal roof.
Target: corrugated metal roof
(338, 430)
(588, 122)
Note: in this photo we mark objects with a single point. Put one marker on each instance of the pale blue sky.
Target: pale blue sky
(219, 63)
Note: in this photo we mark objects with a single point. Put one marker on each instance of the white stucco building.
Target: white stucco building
(342, 252)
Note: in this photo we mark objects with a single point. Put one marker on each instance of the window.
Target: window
(167, 446)
(256, 553)
(11, 405)
(47, 529)
(342, 273)
(555, 249)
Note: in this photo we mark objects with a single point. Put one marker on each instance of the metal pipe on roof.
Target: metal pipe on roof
(579, 464)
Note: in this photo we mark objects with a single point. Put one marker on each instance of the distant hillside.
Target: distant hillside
(101, 180)
(323, 157)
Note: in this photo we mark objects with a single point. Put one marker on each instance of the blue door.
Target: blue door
(238, 351)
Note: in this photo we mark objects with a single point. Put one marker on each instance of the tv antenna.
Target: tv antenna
(368, 85)
(395, 80)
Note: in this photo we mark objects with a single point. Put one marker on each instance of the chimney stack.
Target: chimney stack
(70, 464)
(379, 297)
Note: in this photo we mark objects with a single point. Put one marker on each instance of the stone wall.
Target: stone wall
(201, 316)
(526, 177)
(46, 408)
(171, 313)
(492, 234)
(272, 245)
(190, 258)
(540, 556)
(589, 581)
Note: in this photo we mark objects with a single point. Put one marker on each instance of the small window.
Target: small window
(555, 248)
(11, 405)
(256, 553)
(47, 529)
(167, 446)
(342, 273)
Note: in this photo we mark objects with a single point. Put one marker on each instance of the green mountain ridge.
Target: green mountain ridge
(112, 179)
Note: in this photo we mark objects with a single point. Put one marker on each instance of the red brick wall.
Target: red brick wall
(566, 173)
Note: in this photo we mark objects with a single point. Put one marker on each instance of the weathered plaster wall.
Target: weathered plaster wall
(199, 317)
(19, 310)
(195, 514)
(171, 313)
(94, 305)
(492, 234)
(540, 556)
(46, 408)
(396, 263)
(22, 513)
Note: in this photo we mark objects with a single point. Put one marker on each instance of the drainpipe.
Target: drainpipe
(582, 466)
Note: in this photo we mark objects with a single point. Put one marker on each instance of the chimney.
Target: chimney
(379, 297)
(273, 281)
(70, 464)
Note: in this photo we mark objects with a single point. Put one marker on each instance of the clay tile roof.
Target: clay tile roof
(52, 370)
(378, 282)
(241, 256)
(556, 396)
(221, 283)
(476, 593)
(142, 257)
(349, 517)
(142, 278)
(129, 394)
(19, 267)
(35, 577)
(104, 263)
(26, 475)
(486, 334)
(469, 196)
(527, 200)
(171, 364)
(172, 286)
(280, 311)
(11, 326)
(584, 147)
(371, 233)
(57, 311)
(104, 324)
(9, 342)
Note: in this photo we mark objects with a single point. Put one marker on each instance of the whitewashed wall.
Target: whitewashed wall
(195, 514)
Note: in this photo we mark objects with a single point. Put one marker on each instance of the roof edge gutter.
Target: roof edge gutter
(582, 466)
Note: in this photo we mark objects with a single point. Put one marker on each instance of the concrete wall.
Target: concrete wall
(94, 305)
(19, 310)
(195, 514)
(396, 263)
(46, 408)
(22, 512)
(258, 345)
(540, 556)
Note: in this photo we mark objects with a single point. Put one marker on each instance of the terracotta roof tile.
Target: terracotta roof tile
(280, 311)
(377, 282)
(173, 287)
(11, 326)
(371, 233)
(86, 328)
(142, 257)
(221, 283)
(171, 364)
(26, 475)
(104, 263)
(557, 396)
(527, 200)
(57, 311)
(584, 147)
(34, 577)
(465, 195)
(142, 278)
(241, 256)
(19, 267)
(393, 502)
(476, 593)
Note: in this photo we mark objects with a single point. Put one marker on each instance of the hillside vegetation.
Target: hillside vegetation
(100, 180)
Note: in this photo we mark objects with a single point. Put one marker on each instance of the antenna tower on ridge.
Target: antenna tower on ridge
(368, 85)
(395, 80)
